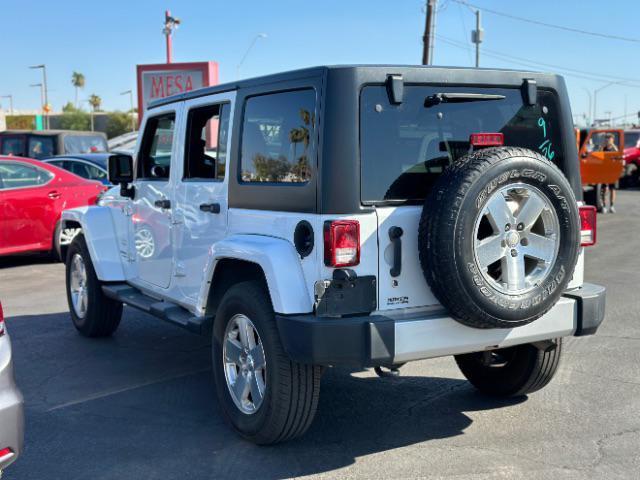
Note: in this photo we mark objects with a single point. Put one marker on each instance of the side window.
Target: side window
(40, 147)
(154, 160)
(79, 168)
(20, 175)
(604, 142)
(95, 173)
(205, 154)
(13, 146)
(278, 137)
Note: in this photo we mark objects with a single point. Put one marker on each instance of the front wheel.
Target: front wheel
(92, 312)
(512, 371)
(266, 397)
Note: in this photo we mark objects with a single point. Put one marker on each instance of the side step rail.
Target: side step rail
(164, 310)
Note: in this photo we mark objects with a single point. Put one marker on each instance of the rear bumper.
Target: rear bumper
(11, 407)
(392, 339)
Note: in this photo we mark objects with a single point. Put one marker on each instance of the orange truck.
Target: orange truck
(598, 165)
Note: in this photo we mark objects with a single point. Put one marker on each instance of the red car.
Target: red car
(32, 197)
(631, 175)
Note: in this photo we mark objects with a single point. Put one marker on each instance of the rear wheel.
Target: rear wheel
(265, 396)
(512, 371)
(92, 312)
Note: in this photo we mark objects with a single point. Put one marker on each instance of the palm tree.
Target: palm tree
(77, 80)
(95, 101)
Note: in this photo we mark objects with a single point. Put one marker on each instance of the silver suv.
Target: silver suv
(350, 215)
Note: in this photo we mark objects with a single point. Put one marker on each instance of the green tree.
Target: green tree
(69, 108)
(77, 80)
(76, 120)
(95, 101)
(118, 123)
(269, 169)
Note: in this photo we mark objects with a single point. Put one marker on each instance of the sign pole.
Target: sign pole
(167, 16)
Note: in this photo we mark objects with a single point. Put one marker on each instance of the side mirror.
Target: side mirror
(121, 172)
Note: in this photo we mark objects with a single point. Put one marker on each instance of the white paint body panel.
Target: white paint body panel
(436, 336)
(280, 263)
(409, 289)
(99, 232)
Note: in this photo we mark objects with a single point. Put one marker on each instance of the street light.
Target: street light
(253, 42)
(587, 116)
(133, 122)
(41, 94)
(595, 97)
(46, 91)
(10, 97)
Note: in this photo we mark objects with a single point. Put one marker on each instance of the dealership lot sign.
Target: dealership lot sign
(166, 79)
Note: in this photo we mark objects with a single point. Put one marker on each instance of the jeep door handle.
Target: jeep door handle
(210, 207)
(394, 235)
(164, 204)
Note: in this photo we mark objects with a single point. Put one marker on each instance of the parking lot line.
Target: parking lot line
(108, 393)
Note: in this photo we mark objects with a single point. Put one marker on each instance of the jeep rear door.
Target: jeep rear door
(200, 207)
(406, 146)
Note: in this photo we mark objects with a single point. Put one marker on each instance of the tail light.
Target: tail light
(1, 320)
(588, 227)
(486, 139)
(341, 243)
(5, 454)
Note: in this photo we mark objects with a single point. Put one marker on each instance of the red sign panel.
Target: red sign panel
(166, 79)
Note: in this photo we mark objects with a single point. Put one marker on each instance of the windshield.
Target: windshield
(405, 147)
(84, 144)
(631, 139)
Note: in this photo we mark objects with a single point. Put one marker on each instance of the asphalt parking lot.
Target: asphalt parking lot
(141, 405)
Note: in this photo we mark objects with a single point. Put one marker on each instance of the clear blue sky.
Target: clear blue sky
(105, 40)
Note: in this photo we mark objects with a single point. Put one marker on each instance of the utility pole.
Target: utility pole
(477, 36)
(429, 33)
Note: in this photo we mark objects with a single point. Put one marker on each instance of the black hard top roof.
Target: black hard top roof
(50, 132)
(314, 71)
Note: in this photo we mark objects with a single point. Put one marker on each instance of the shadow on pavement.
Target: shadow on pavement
(141, 405)
(25, 260)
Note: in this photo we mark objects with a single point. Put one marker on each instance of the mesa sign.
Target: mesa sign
(166, 79)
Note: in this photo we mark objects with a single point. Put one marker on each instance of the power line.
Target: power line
(550, 25)
(593, 76)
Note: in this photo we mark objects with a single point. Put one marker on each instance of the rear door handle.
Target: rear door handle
(210, 207)
(394, 235)
(164, 204)
(53, 194)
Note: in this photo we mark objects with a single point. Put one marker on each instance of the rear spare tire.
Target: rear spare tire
(499, 237)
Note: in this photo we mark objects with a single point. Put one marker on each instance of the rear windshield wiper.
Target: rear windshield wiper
(439, 98)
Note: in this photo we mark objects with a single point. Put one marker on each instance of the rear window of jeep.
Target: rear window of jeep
(278, 137)
(405, 147)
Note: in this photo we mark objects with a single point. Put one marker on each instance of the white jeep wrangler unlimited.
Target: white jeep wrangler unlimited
(365, 216)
